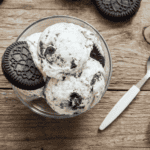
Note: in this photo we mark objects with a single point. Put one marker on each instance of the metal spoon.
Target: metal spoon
(125, 100)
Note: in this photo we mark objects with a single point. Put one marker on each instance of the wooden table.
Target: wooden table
(21, 129)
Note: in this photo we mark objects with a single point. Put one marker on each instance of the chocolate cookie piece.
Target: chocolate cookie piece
(75, 101)
(19, 68)
(118, 10)
(95, 54)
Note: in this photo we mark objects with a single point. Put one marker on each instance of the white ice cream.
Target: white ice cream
(69, 96)
(93, 75)
(32, 41)
(90, 86)
(67, 46)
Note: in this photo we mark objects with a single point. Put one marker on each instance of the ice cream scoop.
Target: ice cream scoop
(68, 97)
(93, 75)
(64, 48)
(75, 95)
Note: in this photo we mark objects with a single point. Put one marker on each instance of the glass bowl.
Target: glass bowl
(37, 103)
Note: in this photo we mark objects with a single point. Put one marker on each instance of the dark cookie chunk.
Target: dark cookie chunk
(19, 68)
(73, 65)
(48, 54)
(63, 78)
(75, 101)
(95, 54)
(49, 51)
(41, 49)
(95, 78)
(79, 74)
(118, 10)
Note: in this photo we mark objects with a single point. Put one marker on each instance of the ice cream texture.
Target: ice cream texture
(75, 95)
(69, 96)
(76, 81)
(64, 48)
(33, 41)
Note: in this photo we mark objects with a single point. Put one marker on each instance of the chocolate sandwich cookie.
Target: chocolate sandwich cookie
(1, 2)
(19, 68)
(118, 10)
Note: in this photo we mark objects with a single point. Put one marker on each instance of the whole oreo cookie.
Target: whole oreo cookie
(118, 10)
(19, 68)
(1, 2)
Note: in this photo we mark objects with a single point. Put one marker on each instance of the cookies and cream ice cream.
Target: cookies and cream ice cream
(68, 97)
(74, 80)
(93, 75)
(75, 95)
(64, 48)
(32, 41)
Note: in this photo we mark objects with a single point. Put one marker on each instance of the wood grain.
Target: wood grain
(21, 128)
(48, 4)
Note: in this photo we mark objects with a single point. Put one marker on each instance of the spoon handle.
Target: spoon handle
(142, 81)
(120, 106)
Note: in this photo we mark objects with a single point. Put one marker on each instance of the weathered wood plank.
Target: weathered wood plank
(48, 4)
(65, 144)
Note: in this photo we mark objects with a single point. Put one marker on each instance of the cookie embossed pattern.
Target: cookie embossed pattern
(118, 9)
(22, 64)
(19, 68)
